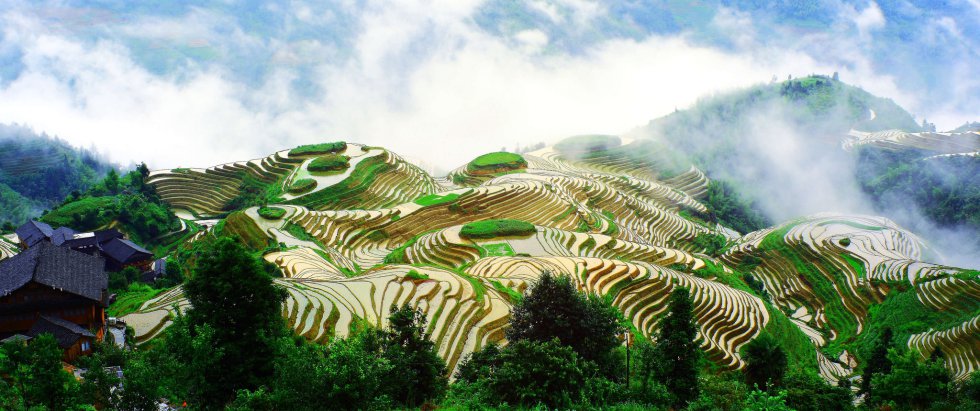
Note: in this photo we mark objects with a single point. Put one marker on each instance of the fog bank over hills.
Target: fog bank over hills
(175, 84)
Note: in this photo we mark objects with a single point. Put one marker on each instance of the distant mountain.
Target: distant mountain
(813, 144)
(38, 171)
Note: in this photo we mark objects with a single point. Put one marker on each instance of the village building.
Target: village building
(48, 288)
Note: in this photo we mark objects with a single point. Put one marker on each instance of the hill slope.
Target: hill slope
(38, 172)
(383, 232)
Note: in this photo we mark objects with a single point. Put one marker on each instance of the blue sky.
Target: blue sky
(180, 83)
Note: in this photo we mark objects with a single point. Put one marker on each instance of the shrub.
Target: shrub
(495, 162)
(314, 149)
(329, 162)
(416, 276)
(844, 242)
(302, 185)
(497, 228)
(271, 213)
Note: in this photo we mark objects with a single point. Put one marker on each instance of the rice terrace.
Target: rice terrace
(487, 204)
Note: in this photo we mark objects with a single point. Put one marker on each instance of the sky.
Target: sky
(194, 84)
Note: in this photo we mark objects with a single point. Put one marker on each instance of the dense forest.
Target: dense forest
(38, 171)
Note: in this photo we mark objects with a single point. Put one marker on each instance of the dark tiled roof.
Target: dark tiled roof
(102, 236)
(82, 240)
(33, 232)
(57, 267)
(125, 251)
(66, 332)
(62, 234)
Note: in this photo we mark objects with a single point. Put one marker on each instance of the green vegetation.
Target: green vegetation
(497, 228)
(712, 244)
(765, 362)
(437, 199)
(944, 189)
(329, 163)
(496, 162)
(132, 299)
(346, 194)
(302, 185)
(317, 149)
(416, 276)
(242, 226)
(676, 351)
(38, 172)
(243, 339)
(497, 250)
(127, 200)
(271, 213)
(728, 206)
(254, 192)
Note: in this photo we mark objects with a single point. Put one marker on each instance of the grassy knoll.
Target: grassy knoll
(85, 214)
(302, 185)
(329, 163)
(271, 213)
(497, 228)
(317, 149)
(497, 162)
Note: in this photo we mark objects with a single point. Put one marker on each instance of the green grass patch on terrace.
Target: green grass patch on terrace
(497, 228)
(799, 348)
(300, 233)
(497, 162)
(838, 317)
(132, 299)
(316, 149)
(302, 185)
(497, 250)
(508, 292)
(329, 163)
(856, 264)
(346, 194)
(241, 225)
(344, 270)
(437, 199)
(416, 276)
(906, 315)
(271, 213)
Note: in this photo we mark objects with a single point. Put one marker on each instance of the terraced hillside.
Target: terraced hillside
(375, 231)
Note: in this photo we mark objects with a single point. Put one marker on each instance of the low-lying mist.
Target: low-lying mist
(787, 157)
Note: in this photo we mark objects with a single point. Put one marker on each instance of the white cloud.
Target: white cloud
(869, 19)
(422, 81)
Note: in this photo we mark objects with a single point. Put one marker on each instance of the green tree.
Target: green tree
(111, 181)
(555, 309)
(878, 361)
(533, 372)
(348, 374)
(417, 373)
(676, 349)
(35, 377)
(759, 400)
(479, 364)
(969, 390)
(765, 362)
(724, 392)
(230, 293)
(912, 383)
(807, 391)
